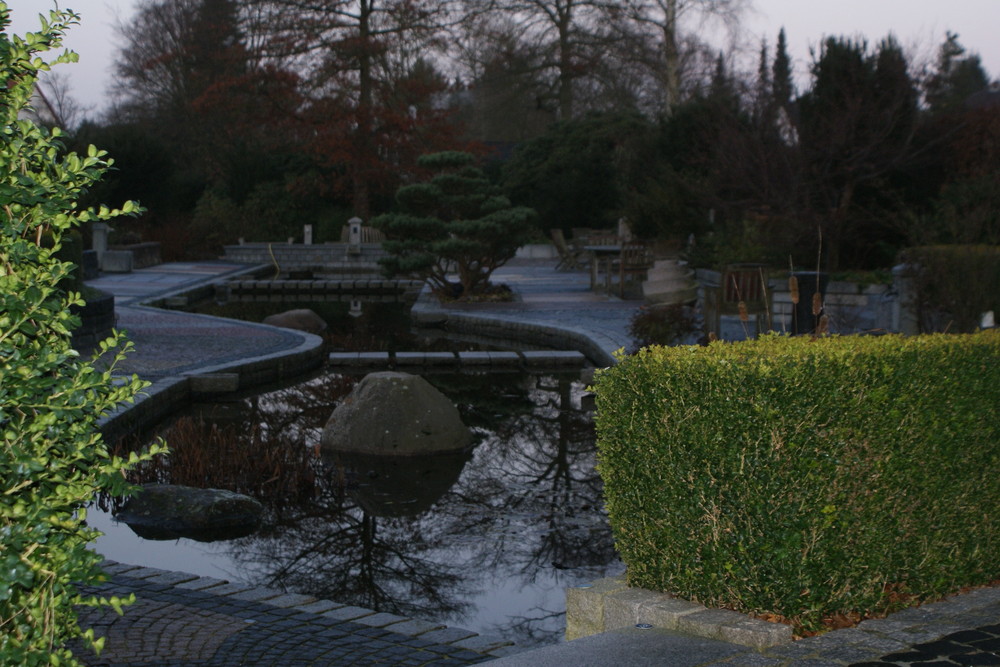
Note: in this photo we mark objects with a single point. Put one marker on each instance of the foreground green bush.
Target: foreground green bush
(52, 459)
(806, 477)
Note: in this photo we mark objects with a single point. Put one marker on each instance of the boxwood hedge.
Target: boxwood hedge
(806, 477)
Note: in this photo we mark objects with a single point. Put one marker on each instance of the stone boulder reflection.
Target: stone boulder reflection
(399, 486)
(395, 414)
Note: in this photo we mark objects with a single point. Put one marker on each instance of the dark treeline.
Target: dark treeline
(250, 118)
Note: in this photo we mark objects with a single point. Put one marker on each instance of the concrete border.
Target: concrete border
(429, 312)
(169, 394)
(609, 604)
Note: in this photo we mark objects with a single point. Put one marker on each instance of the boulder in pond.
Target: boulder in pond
(168, 511)
(398, 414)
(301, 319)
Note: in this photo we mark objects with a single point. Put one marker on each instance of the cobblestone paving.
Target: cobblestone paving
(960, 630)
(979, 646)
(174, 623)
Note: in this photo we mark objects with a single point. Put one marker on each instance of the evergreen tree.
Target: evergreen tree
(781, 74)
(956, 76)
(455, 223)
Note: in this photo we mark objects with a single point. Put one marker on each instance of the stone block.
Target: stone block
(349, 613)
(414, 627)
(202, 584)
(666, 612)
(289, 600)
(373, 359)
(447, 635)
(622, 608)
(344, 358)
(441, 358)
(504, 358)
(755, 633)
(483, 643)
(320, 606)
(474, 358)
(214, 383)
(585, 606)
(116, 261)
(735, 628)
(257, 595)
(410, 358)
(380, 620)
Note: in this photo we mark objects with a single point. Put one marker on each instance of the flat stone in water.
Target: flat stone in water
(168, 512)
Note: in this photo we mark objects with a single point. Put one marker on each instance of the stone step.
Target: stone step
(528, 359)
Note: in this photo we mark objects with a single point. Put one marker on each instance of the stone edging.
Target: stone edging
(609, 603)
(168, 394)
(428, 311)
(437, 633)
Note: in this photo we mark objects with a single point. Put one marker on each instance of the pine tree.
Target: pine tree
(956, 76)
(455, 223)
(782, 87)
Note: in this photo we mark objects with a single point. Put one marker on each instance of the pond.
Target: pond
(487, 540)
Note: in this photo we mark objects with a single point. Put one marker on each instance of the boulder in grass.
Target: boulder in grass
(168, 511)
(397, 414)
(300, 319)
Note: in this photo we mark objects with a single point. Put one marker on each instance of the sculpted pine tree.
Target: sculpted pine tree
(457, 224)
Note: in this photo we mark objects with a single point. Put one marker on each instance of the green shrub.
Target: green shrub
(953, 285)
(805, 477)
(52, 458)
(71, 251)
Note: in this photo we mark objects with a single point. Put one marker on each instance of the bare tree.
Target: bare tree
(662, 20)
(568, 37)
(54, 103)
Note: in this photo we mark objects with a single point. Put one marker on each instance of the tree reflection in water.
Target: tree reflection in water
(450, 539)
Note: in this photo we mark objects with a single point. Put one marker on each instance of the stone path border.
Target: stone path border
(527, 359)
(182, 618)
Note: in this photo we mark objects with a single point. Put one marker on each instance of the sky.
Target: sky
(919, 25)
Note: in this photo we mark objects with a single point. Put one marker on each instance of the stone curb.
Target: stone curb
(449, 361)
(609, 604)
(436, 633)
(428, 311)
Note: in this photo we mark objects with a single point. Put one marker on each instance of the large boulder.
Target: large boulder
(397, 414)
(301, 319)
(168, 511)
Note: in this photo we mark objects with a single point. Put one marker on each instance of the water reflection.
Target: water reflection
(487, 540)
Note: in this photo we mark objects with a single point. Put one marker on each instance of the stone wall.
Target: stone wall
(143, 254)
(97, 319)
(330, 257)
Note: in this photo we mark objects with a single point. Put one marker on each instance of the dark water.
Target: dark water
(487, 540)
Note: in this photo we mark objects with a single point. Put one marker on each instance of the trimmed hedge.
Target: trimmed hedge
(806, 477)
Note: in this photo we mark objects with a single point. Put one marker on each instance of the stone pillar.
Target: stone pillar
(354, 236)
(100, 231)
(307, 234)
